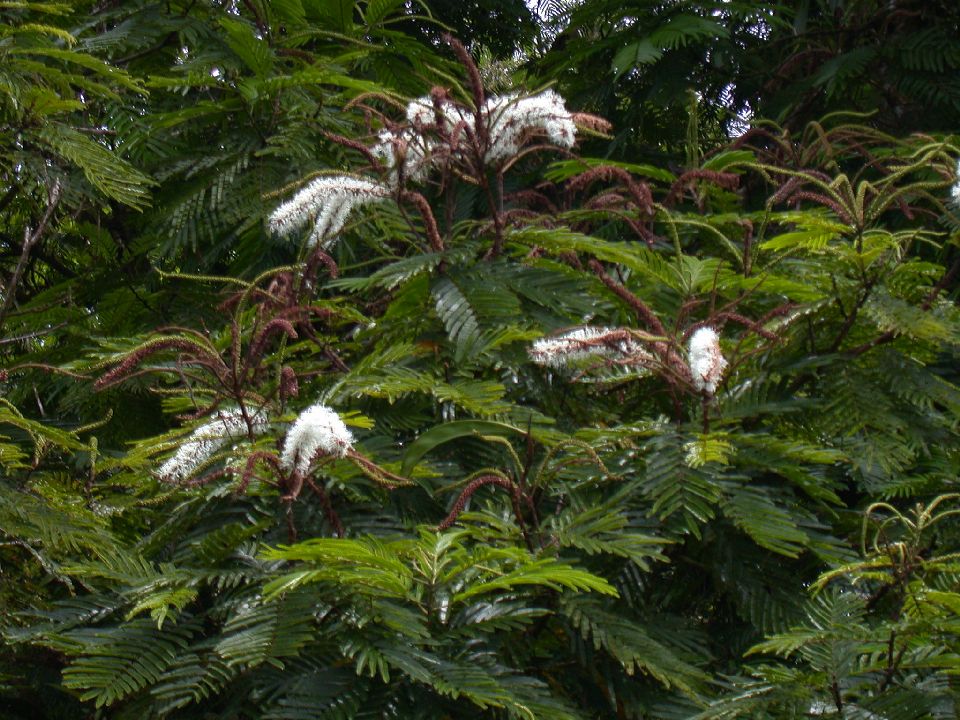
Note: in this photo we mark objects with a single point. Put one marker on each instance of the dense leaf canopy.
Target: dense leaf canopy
(351, 371)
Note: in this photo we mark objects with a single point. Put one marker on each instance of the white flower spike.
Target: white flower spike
(706, 362)
(207, 439)
(510, 117)
(955, 190)
(327, 201)
(583, 343)
(411, 149)
(407, 149)
(420, 111)
(318, 430)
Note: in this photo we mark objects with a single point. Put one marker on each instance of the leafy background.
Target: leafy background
(786, 549)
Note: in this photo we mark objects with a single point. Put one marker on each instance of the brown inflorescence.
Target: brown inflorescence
(746, 322)
(429, 221)
(355, 145)
(259, 456)
(829, 202)
(278, 324)
(317, 258)
(289, 387)
(592, 122)
(644, 313)
(473, 72)
(471, 488)
(132, 360)
(606, 173)
(728, 181)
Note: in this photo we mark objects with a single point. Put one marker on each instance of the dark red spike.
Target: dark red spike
(468, 492)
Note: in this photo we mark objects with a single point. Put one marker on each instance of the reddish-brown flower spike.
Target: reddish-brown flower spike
(141, 353)
(727, 181)
(440, 97)
(606, 200)
(473, 72)
(468, 492)
(318, 258)
(786, 190)
(289, 387)
(429, 221)
(643, 312)
(821, 199)
(355, 145)
(259, 456)
(200, 412)
(592, 122)
(275, 325)
(533, 198)
(638, 191)
(280, 288)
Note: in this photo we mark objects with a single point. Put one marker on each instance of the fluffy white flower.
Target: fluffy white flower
(583, 343)
(510, 117)
(706, 361)
(407, 149)
(327, 201)
(410, 149)
(422, 111)
(318, 430)
(955, 190)
(207, 439)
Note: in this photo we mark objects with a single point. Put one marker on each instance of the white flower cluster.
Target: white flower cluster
(207, 439)
(510, 118)
(327, 202)
(706, 362)
(317, 430)
(406, 149)
(955, 190)
(409, 149)
(422, 112)
(581, 344)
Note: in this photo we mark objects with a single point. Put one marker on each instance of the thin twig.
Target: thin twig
(32, 335)
(29, 240)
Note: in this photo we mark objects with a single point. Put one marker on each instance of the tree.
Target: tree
(435, 415)
(792, 62)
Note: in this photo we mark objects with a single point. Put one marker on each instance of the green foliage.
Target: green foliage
(637, 62)
(541, 502)
(879, 637)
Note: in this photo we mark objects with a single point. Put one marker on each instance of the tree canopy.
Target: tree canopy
(427, 360)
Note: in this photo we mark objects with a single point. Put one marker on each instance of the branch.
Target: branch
(29, 240)
(889, 335)
(32, 335)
